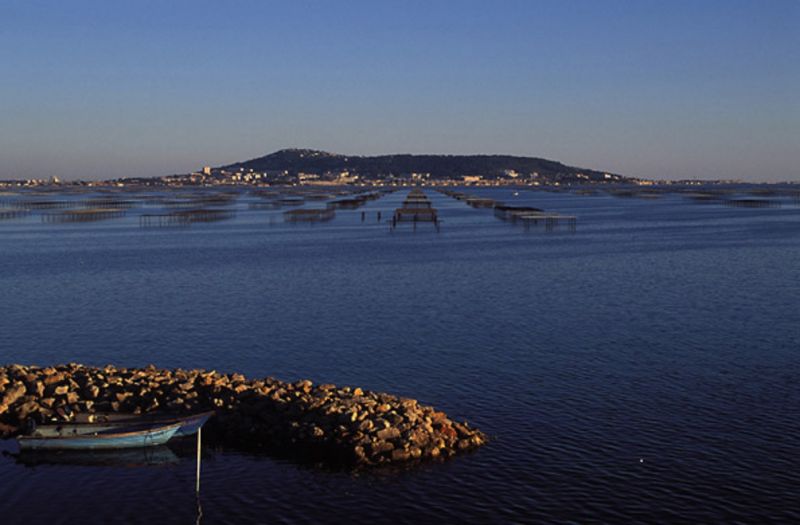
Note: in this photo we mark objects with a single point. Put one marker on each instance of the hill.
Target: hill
(437, 166)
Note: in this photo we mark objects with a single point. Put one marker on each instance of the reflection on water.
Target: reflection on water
(137, 457)
(641, 368)
(199, 519)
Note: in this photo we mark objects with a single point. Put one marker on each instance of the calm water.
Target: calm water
(643, 368)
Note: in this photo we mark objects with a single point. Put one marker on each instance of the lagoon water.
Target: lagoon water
(645, 367)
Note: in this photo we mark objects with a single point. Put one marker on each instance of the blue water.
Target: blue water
(644, 367)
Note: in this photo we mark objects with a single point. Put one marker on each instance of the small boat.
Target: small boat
(103, 422)
(72, 437)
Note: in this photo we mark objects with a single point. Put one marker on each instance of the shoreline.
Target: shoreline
(338, 425)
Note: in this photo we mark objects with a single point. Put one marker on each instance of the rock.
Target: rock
(358, 452)
(408, 404)
(439, 417)
(449, 432)
(394, 419)
(54, 378)
(11, 395)
(122, 396)
(176, 403)
(382, 446)
(420, 437)
(388, 433)
(34, 387)
(61, 390)
(400, 455)
(26, 409)
(370, 428)
(91, 391)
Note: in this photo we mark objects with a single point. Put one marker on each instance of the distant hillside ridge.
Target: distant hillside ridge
(437, 166)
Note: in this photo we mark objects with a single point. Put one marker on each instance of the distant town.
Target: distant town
(302, 167)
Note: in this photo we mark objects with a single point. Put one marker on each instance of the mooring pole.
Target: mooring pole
(199, 439)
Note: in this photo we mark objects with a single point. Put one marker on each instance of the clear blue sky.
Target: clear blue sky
(657, 89)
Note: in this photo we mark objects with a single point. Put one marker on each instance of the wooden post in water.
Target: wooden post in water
(199, 434)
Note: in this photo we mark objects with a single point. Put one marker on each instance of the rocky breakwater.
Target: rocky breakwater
(323, 422)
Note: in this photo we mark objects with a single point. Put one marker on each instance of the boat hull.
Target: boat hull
(102, 441)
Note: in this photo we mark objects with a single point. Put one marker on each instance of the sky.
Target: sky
(654, 89)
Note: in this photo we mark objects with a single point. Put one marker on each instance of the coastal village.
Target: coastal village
(313, 168)
(299, 167)
(213, 177)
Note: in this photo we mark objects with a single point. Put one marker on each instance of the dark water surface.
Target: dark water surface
(643, 368)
